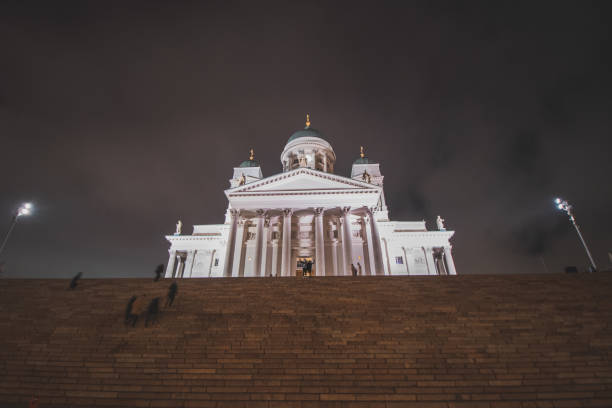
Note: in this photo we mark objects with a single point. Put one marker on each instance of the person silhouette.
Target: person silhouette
(171, 294)
(152, 311)
(359, 268)
(129, 316)
(353, 270)
(74, 282)
(158, 272)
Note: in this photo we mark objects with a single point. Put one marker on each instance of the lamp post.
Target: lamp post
(25, 209)
(565, 206)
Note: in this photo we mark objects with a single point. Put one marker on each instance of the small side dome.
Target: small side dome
(249, 163)
(363, 159)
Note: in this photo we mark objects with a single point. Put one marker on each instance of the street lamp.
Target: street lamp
(25, 209)
(565, 206)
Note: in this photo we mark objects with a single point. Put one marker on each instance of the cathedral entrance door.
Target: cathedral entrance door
(304, 266)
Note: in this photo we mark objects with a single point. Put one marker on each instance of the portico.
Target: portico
(307, 212)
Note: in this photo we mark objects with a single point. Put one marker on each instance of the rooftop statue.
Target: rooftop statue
(440, 223)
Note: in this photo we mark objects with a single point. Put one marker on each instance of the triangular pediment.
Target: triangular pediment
(303, 180)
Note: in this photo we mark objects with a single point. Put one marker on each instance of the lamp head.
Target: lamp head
(557, 201)
(25, 209)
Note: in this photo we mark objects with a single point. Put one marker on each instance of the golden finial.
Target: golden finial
(362, 154)
(251, 154)
(307, 120)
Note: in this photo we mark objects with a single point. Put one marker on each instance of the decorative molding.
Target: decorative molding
(303, 170)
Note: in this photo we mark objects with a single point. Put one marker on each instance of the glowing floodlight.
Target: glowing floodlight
(565, 206)
(24, 209)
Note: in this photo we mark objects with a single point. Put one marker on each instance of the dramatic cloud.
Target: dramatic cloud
(118, 118)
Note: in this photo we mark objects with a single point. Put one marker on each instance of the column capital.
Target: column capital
(318, 211)
(287, 212)
(234, 212)
(346, 210)
(260, 212)
(267, 221)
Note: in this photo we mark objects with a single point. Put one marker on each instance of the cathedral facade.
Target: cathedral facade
(307, 215)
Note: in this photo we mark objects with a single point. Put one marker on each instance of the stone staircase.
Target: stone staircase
(436, 342)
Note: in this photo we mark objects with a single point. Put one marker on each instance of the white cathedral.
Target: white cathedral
(309, 215)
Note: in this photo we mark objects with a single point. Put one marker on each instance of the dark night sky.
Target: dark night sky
(117, 119)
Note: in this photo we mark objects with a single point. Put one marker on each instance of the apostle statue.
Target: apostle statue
(179, 225)
(366, 177)
(242, 180)
(440, 222)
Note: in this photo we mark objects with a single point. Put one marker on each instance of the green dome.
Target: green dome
(306, 132)
(249, 163)
(363, 160)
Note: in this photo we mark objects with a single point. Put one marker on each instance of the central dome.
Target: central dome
(307, 148)
(306, 132)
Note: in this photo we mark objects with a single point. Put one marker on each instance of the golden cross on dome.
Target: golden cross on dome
(362, 154)
(307, 120)
(251, 154)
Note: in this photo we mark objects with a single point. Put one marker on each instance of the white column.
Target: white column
(258, 243)
(264, 249)
(369, 239)
(319, 242)
(449, 260)
(274, 266)
(229, 247)
(180, 267)
(286, 249)
(347, 238)
(431, 264)
(342, 268)
(238, 244)
(189, 263)
(170, 266)
(376, 242)
(406, 260)
(334, 251)
(334, 248)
